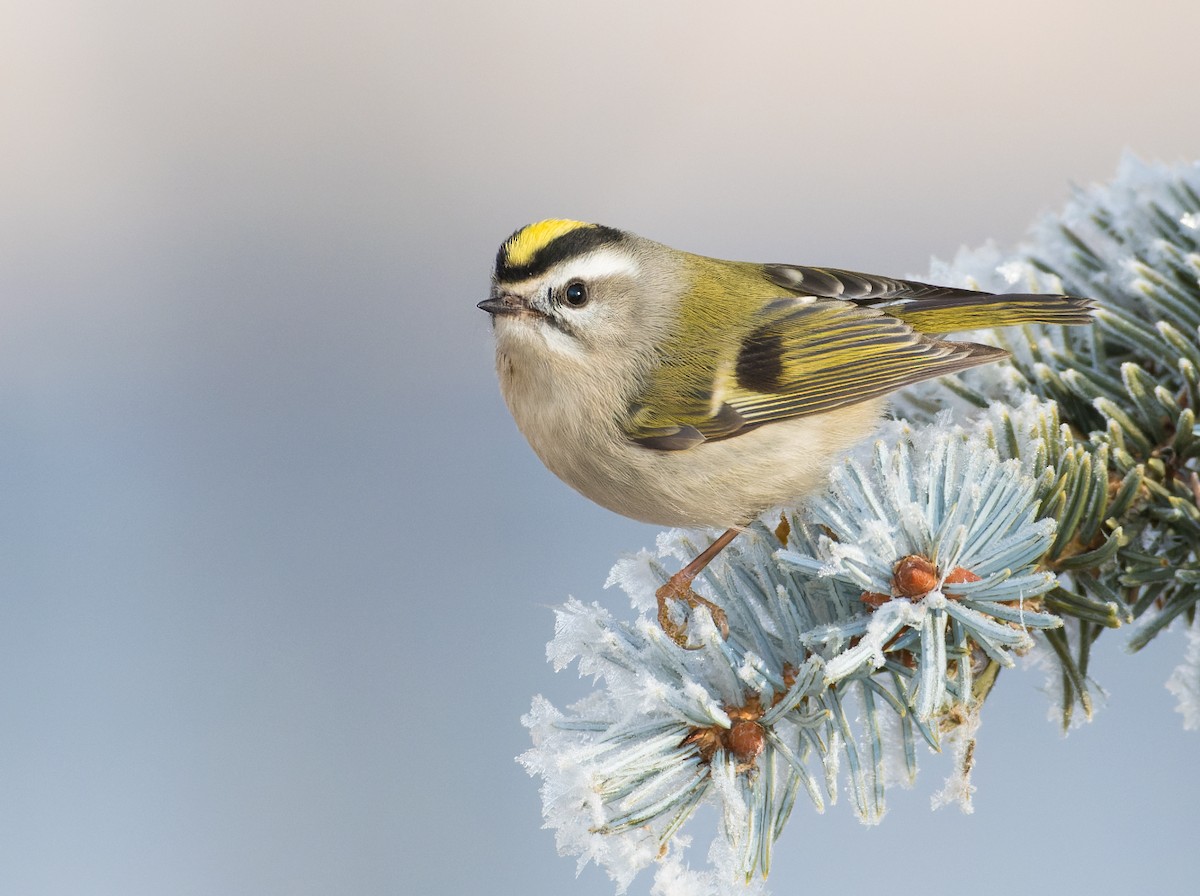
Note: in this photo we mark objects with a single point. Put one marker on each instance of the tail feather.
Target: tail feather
(982, 311)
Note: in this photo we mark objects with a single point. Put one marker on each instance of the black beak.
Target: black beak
(504, 304)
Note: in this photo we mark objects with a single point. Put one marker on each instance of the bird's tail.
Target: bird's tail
(981, 311)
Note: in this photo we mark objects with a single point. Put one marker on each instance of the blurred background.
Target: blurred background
(275, 564)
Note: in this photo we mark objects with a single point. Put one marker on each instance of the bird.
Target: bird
(689, 391)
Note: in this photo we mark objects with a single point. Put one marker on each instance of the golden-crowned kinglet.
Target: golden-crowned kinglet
(683, 390)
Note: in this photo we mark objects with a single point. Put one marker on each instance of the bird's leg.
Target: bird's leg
(679, 587)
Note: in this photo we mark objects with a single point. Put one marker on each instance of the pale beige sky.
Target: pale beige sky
(779, 125)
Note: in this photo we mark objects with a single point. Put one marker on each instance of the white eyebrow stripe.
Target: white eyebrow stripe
(596, 264)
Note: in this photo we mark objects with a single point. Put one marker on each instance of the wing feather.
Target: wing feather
(929, 308)
(800, 357)
(835, 283)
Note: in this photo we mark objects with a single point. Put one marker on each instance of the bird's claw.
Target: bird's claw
(678, 588)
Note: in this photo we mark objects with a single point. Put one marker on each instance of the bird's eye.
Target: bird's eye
(575, 294)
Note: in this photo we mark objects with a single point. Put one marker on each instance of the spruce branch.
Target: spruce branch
(1012, 509)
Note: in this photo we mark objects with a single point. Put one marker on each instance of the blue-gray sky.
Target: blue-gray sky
(275, 561)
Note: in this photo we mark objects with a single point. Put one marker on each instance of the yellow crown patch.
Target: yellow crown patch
(523, 246)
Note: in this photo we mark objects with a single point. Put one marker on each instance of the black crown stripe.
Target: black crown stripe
(569, 245)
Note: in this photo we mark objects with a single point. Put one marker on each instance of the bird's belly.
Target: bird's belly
(722, 483)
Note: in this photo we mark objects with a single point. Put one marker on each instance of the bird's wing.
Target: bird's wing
(801, 356)
(863, 289)
(928, 308)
